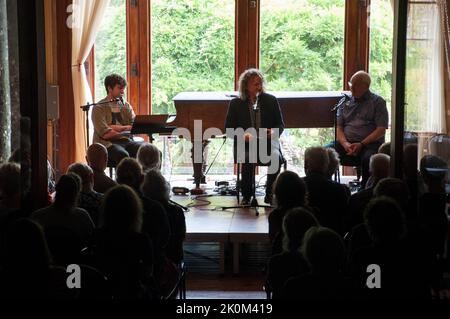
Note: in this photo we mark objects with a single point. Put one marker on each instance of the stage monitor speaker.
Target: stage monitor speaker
(52, 102)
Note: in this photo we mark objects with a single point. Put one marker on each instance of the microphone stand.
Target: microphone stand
(334, 109)
(87, 107)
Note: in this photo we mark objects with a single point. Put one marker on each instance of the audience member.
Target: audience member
(327, 196)
(157, 188)
(149, 156)
(403, 271)
(324, 251)
(63, 213)
(27, 272)
(290, 262)
(97, 158)
(121, 250)
(379, 168)
(89, 199)
(155, 221)
(290, 191)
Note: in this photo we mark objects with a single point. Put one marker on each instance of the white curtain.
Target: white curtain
(436, 119)
(89, 15)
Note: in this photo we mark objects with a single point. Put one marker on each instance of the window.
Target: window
(192, 45)
(424, 111)
(425, 108)
(110, 46)
(302, 44)
(381, 40)
(302, 49)
(192, 49)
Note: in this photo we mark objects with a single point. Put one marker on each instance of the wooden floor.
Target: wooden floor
(209, 222)
(225, 287)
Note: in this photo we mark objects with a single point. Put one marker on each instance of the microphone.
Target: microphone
(119, 100)
(344, 99)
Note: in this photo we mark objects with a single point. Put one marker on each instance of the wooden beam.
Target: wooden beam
(32, 72)
(132, 19)
(144, 58)
(51, 64)
(356, 43)
(398, 87)
(246, 36)
(66, 154)
(138, 55)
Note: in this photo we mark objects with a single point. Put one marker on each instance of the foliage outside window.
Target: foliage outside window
(110, 46)
(302, 49)
(381, 41)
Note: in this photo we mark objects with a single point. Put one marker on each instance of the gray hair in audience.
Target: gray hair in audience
(295, 224)
(385, 220)
(129, 172)
(83, 171)
(316, 160)
(122, 210)
(385, 148)
(9, 179)
(333, 161)
(379, 165)
(149, 156)
(155, 186)
(324, 250)
(245, 77)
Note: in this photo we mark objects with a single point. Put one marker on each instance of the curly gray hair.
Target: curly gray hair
(243, 82)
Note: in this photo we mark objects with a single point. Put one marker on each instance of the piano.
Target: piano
(299, 109)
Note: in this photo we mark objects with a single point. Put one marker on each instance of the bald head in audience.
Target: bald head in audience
(97, 157)
(316, 160)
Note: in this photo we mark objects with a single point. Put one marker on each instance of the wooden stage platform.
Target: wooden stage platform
(206, 221)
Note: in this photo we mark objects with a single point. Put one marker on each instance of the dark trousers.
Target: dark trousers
(362, 158)
(119, 150)
(248, 178)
